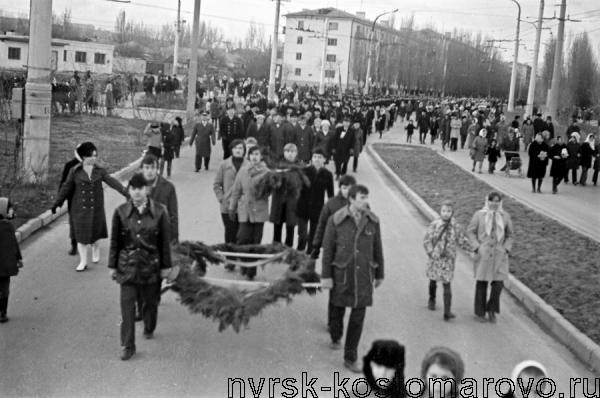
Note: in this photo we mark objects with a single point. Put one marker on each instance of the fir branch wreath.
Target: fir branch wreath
(234, 306)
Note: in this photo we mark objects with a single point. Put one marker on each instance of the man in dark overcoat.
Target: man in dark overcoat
(352, 266)
(304, 140)
(342, 143)
(359, 139)
(280, 134)
(204, 136)
(230, 128)
(259, 130)
(140, 255)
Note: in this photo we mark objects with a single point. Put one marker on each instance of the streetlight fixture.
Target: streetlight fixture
(513, 75)
(371, 49)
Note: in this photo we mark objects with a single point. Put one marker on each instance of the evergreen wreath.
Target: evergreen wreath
(233, 306)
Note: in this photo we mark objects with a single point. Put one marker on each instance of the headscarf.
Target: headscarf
(489, 217)
(590, 142)
(482, 133)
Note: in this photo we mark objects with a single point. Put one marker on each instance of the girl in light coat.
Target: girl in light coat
(440, 243)
(490, 234)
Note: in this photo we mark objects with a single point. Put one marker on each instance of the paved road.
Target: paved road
(63, 338)
(574, 206)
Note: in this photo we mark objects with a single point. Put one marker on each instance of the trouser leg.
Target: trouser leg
(595, 177)
(344, 166)
(480, 298)
(336, 322)
(338, 166)
(128, 299)
(584, 172)
(314, 222)
(206, 162)
(150, 307)
(432, 292)
(353, 333)
(289, 235)
(493, 304)
(231, 228)
(169, 164)
(302, 233)
(198, 161)
(277, 229)
(4, 293)
(447, 298)
(355, 162)
(574, 175)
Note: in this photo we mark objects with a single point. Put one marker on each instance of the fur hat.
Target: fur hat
(85, 150)
(388, 353)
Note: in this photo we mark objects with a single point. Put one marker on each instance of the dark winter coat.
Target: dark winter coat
(312, 197)
(559, 164)
(538, 125)
(573, 159)
(140, 243)
(330, 208)
(179, 135)
(260, 133)
(87, 206)
(587, 153)
(163, 192)
(342, 146)
(324, 142)
(231, 129)
(352, 257)
(10, 254)
(359, 140)
(537, 166)
(304, 141)
(68, 166)
(279, 135)
(204, 136)
(169, 143)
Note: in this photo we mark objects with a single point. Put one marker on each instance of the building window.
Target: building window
(332, 42)
(301, 25)
(333, 26)
(99, 58)
(80, 56)
(14, 53)
(329, 74)
(297, 71)
(298, 56)
(299, 40)
(65, 56)
(331, 57)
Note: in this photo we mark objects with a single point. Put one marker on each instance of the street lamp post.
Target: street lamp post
(513, 75)
(532, 78)
(371, 49)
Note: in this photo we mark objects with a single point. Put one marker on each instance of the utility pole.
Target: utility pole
(274, 45)
(513, 75)
(177, 33)
(324, 58)
(556, 71)
(536, 53)
(370, 52)
(193, 71)
(446, 48)
(36, 129)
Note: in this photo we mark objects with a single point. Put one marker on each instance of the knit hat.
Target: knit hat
(85, 150)
(446, 355)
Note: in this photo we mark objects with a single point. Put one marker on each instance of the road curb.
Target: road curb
(46, 218)
(584, 348)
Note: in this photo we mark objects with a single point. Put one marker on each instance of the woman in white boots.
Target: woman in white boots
(84, 188)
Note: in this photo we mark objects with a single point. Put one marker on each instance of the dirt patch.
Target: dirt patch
(558, 264)
(115, 138)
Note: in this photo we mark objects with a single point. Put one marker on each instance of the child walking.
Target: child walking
(10, 255)
(493, 154)
(410, 129)
(441, 240)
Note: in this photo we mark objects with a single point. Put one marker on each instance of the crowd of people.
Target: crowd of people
(314, 139)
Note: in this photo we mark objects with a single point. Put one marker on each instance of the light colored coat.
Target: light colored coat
(491, 261)
(223, 185)
(243, 196)
(440, 243)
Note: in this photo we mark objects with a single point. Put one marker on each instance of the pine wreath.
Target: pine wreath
(233, 306)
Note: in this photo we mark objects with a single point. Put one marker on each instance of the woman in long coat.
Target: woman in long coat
(538, 161)
(478, 149)
(490, 235)
(84, 187)
(559, 155)
(573, 159)
(527, 132)
(587, 151)
(10, 255)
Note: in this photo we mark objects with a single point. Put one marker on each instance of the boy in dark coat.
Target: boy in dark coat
(10, 255)
(493, 154)
(342, 144)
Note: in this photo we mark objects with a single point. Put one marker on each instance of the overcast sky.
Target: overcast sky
(496, 18)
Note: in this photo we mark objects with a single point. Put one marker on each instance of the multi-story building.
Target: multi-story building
(340, 48)
(66, 55)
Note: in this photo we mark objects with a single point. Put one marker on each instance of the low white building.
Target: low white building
(66, 55)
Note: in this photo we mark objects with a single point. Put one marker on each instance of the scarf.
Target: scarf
(237, 163)
(492, 217)
(590, 142)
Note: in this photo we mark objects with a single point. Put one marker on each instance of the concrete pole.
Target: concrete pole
(556, 72)
(370, 54)
(513, 75)
(274, 45)
(324, 58)
(177, 33)
(445, 73)
(536, 53)
(36, 129)
(193, 71)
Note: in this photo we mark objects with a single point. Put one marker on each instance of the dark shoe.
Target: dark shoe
(431, 305)
(3, 318)
(127, 354)
(148, 335)
(335, 345)
(539, 190)
(492, 317)
(480, 318)
(73, 251)
(554, 191)
(352, 366)
(449, 316)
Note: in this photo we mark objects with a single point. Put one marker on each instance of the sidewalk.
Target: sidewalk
(576, 207)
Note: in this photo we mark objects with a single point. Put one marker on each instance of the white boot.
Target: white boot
(83, 253)
(95, 252)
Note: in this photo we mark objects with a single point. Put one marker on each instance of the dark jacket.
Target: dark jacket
(312, 197)
(163, 192)
(329, 209)
(9, 249)
(204, 136)
(324, 142)
(537, 166)
(304, 141)
(559, 164)
(260, 133)
(231, 129)
(359, 139)
(179, 135)
(87, 206)
(352, 257)
(68, 166)
(343, 145)
(279, 135)
(587, 153)
(140, 243)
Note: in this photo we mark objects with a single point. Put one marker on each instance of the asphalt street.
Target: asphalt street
(63, 336)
